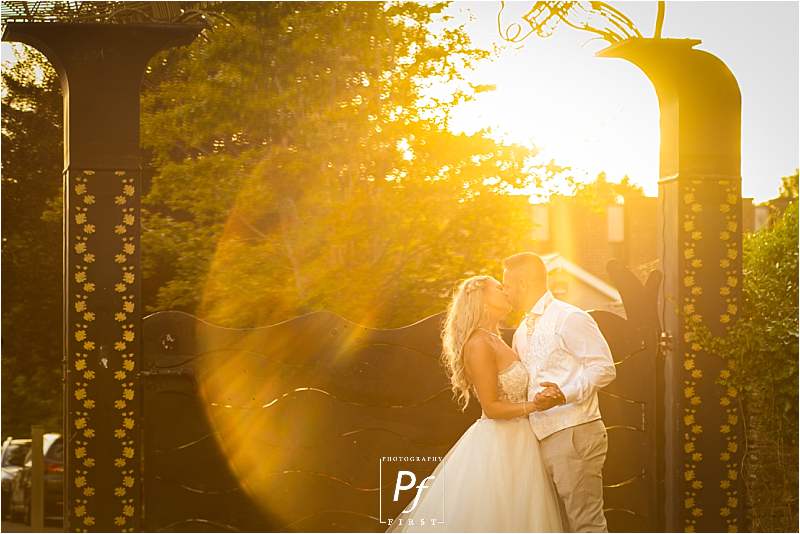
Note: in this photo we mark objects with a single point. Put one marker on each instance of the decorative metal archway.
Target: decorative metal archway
(101, 65)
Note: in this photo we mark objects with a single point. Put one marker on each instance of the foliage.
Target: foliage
(332, 182)
(790, 185)
(31, 246)
(598, 194)
(763, 350)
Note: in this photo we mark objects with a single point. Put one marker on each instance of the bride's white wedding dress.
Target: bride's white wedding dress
(492, 479)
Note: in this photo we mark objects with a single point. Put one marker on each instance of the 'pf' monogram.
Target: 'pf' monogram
(413, 478)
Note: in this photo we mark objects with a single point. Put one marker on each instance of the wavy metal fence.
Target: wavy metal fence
(282, 428)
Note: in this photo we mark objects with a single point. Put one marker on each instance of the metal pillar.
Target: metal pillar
(700, 241)
(37, 478)
(100, 67)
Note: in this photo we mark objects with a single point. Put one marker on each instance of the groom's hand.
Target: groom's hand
(550, 396)
(541, 402)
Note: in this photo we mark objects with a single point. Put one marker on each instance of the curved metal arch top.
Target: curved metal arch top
(100, 67)
(700, 104)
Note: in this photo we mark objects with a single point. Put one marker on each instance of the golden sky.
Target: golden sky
(602, 114)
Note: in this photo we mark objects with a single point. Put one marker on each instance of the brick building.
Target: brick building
(589, 236)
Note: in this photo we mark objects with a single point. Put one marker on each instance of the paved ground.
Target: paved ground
(8, 526)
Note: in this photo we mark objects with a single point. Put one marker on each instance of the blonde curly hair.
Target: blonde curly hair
(464, 314)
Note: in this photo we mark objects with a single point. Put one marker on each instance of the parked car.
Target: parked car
(53, 448)
(12, 457)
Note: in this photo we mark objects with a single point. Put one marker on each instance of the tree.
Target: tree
(790, 185)
(762, 352)
(31, 245)
(600, 193)
(314, 171)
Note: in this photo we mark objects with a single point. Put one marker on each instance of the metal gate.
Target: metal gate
(282, 428)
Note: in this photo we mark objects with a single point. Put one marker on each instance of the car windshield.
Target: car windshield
(56, 451)
(15, 454)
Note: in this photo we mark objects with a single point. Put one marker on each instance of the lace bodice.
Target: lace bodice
(512, 383)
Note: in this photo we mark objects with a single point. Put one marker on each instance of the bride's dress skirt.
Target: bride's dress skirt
(491, 480)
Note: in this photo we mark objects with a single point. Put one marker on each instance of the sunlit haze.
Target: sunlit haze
(597, 114)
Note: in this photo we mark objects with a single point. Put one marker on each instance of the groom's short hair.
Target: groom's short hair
(529, 261)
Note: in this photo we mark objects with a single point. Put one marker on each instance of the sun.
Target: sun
(591, 114)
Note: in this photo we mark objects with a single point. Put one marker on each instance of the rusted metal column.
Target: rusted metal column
(700, 241)
(100, 68)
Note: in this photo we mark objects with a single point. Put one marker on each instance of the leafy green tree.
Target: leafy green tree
(301, 164)
(790, 185)
(762, 349)
(599, 193)
(32, 160)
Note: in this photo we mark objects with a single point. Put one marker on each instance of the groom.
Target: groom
(568, 360)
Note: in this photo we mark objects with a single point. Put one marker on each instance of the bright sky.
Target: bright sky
(598, 114)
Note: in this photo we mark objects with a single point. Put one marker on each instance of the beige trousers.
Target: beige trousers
(574, 460)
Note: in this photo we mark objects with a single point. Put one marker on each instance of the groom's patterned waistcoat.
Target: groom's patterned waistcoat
(561, 343)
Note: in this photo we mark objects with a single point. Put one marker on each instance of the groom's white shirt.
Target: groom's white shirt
(566, 347)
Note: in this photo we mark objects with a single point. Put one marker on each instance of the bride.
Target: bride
(492, 479)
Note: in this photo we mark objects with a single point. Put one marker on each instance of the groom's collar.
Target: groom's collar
(541, 304)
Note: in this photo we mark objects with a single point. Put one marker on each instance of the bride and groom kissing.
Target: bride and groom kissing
(533, 461)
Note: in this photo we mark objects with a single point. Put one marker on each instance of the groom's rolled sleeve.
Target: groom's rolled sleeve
(582, 337)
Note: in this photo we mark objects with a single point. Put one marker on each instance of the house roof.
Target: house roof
(554, 261)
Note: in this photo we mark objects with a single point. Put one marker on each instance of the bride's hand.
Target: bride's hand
(542, 402)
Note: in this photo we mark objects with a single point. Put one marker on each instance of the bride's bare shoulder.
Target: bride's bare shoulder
(478, 348)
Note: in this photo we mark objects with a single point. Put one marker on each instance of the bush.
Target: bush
(763, 347)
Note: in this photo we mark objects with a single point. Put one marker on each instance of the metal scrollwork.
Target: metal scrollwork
(543, 18)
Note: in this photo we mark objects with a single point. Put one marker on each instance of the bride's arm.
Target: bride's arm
(482, 369)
